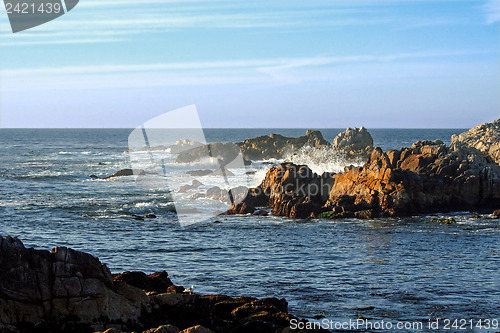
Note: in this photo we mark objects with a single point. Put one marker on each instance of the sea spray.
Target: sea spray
(324, 159)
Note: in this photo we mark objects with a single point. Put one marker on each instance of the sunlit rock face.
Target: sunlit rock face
(485, 138)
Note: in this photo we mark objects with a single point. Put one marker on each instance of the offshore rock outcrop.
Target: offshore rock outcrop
(485, 138)
(355, 143)
(260, 148)
(69, 291)
(427, 177)
(290, 190)
(353, 139)
(278, 146)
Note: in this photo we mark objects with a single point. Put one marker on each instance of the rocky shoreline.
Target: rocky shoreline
(70, 291)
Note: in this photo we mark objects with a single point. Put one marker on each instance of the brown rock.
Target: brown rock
(485, 138)
(290, 190)
(353, 139)
(43, 289)
(158, 282)
(163, 329)
(427, 177)
(277, 146)
(197, 329)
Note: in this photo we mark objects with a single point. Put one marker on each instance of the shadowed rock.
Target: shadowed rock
(69, 291)
(278, 146)
(290, 190)
(126, 172)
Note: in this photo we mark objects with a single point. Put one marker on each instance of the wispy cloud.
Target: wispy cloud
(492, 11)
(95, 21)
(268, 71)
(261, 65)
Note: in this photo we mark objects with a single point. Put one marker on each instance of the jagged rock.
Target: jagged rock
(427, 177)
(353, 139)
(70, 291)
(225, 152)
(197, 329)
(356, 143)
(183, 145)
(163, 329)
(485, 138)
(277, 146)
(158, 282)
(62, 288)
(290, 190)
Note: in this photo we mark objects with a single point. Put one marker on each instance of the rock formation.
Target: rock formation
(353, 139)
(121, 173)
(427, 177)
(485, 138)
(290, 190)
(70, 291)
(64, 289)
(260, 148)
(355, 142)
(226, 152)
(278, 146)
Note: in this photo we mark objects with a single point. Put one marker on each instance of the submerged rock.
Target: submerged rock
(194, 185)
(69, 291)
(485, 138)
(199, 173)
(126, 172)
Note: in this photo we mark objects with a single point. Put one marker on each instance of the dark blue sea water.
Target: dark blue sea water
(391, 269)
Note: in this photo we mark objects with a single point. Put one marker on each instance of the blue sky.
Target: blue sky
(285, 63)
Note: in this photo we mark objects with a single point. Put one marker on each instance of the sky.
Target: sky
(281, 63)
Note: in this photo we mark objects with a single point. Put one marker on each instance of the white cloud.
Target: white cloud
(492, 11)
(267, 71)
(268, 65)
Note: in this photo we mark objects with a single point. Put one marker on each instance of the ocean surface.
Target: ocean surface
(392, 269)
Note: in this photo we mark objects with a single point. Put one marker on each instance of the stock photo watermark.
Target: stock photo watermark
(363, 325)
(27, 14)
(170, 152)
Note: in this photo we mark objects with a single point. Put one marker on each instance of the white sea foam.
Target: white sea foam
(321, 160)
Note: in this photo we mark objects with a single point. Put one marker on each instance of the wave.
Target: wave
(322, 160)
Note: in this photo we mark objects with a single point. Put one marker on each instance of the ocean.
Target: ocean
(392, 269)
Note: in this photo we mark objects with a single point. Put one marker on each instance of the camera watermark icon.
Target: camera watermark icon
(27, 14)
(170, 152)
